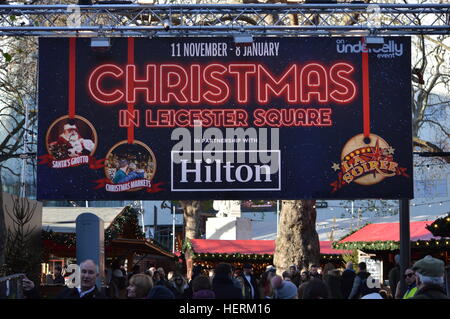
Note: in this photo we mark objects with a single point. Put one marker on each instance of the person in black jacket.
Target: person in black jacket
(88, 289)
(250, 286)
(58, 278)
(295, 275)
(223, 286)
(360, 286)
(394, 274)
(188, 292)
(430, 278)
(348, 276)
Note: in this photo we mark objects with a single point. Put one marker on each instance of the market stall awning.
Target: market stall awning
(386, 236)
(256, 247)
(389, 231)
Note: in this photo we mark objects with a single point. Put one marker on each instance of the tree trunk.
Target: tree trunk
(191, 211)
(297, 242)
(2, 225)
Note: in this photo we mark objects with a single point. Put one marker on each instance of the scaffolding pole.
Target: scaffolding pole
(224, 19)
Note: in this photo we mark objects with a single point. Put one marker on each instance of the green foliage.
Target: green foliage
(21, 254)
(129, 218)
(352, 256)
(187, 246)
(368, 245)
(443, 244)
(67, 239)
(7, 56)
(440, 227)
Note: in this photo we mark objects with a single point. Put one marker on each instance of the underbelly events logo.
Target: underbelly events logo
(389, 50)
(239, 160)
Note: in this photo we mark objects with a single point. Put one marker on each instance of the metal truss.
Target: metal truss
(224, 19)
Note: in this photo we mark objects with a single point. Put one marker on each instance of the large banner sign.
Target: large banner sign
(202, 118)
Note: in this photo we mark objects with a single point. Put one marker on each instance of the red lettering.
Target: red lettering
(133, 84)
(339, 75)
(221, 90)
(242, 72)
(195, 84)
(128, 119)
(287, 82)
(211, 84)
(170, 88)
(314, 81)
(97, 91)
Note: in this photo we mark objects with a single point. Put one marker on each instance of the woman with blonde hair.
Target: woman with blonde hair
(178, 286)
(139, 286)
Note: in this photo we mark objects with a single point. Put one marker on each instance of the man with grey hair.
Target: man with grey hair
(88, 276)
(429, 278)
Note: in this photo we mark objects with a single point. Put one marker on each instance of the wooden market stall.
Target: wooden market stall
(381, 242)
(124, 239)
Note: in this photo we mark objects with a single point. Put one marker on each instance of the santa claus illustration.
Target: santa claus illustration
(71, 141)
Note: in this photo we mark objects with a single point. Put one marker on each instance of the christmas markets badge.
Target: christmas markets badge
(366, 163)
(129, 167)
(71, 142)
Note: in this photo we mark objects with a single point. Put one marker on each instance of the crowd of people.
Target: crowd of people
(424, 280)
(124, 169)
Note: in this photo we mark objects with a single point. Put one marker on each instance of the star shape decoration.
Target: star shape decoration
(336, 166)
(390, 150)
(377, 153)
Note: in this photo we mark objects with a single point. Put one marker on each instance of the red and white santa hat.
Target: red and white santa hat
(69, 126)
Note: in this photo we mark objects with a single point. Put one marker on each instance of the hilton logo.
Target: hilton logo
(219, 175)
(242, 160)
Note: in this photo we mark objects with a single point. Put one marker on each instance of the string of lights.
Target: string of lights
(259, 262)
(356, 207)
(392, 245)
(441, 165)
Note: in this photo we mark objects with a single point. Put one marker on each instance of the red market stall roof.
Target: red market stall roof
(244, 247)
(386, 236)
